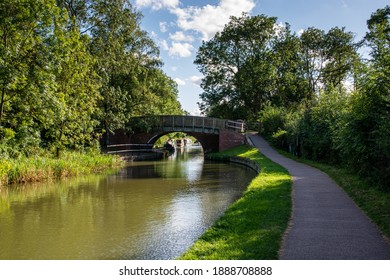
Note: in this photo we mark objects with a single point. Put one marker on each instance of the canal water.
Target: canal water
(148, 210)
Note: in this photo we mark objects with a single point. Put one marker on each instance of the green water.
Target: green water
(148, 210)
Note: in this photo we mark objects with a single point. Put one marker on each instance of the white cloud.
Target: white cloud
(196, 80)
(196, 112)
(210, 19)
(174, 68)
(163, 27)
(180, 49)
(180, 36)
(180, 82)
(157, 4)
(164, 45)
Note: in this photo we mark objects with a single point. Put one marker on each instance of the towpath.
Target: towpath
(326, 223)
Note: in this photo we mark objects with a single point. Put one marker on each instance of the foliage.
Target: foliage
(255, 62)
(234, 62)
(72, 70)
(349, 127)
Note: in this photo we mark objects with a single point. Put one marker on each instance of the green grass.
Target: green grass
(370, 198)
(253, 227)
(39, 168)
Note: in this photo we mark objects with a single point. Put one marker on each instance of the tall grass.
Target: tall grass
(39, 168)
(253, 227)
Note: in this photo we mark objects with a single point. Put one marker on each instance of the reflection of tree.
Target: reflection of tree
(178, 164)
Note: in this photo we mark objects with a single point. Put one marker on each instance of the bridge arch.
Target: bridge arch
(214, 134)
(209, 142)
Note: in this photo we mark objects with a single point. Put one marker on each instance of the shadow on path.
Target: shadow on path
(326, 223)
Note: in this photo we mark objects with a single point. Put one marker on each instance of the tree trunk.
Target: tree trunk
(2, 105)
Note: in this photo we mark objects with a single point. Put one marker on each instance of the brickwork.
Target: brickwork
(229, 139)
(211, 142)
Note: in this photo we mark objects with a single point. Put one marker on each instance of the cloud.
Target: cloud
(180, 49)
(180, 36)
(157, 4)
(163, 27)
(196, 112)
(180, 82)
(210, 19)
(196, 80)
(164, 45)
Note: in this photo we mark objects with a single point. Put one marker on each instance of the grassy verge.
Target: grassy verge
(35, 169)
(370, 198)
(252, 228)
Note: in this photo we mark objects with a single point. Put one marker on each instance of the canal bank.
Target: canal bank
(253, 226)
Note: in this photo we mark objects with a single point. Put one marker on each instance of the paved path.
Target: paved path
(326, 223)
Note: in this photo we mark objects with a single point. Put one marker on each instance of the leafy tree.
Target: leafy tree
(238, 73)
(365, 135)
(341, 54)
(290, 84)
(327, 58)
(124, 54)
(166, 95)
(25, 67)
(69, 122)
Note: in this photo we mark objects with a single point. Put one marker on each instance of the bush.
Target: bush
(272, 119)
(364, 137)
(280, 138)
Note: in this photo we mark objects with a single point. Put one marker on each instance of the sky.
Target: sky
(179, 26)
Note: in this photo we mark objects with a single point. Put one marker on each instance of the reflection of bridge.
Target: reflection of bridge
(214, 134)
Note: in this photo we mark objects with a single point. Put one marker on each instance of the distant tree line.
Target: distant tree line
(71, 70)
(313, 93)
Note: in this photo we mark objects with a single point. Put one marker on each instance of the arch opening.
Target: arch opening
(177, 139)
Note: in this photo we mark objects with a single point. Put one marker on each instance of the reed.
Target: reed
(40, 168)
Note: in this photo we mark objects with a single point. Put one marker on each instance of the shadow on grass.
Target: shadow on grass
(252, 227)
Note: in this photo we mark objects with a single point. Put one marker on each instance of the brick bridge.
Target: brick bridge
(213, 134)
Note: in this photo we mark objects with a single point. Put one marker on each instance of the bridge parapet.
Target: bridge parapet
(190, 124)
(214, 134)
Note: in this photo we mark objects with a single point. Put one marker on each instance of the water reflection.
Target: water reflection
(149, 210)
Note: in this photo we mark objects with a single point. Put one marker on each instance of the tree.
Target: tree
(290, 83)
(313, 56)
(236, 66)
(69, 122)
(124, 53)
(328, 58)
(26, 78)
(365, 137)
(341, 56)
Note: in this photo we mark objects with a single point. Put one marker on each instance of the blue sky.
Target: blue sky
(179, 26)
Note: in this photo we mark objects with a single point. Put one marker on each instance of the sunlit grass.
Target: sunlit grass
(252, 228)
(38, 168)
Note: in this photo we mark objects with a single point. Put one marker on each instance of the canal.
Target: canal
(147, 210)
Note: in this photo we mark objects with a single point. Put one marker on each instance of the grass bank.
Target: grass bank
(373, 200)
(40, 168)
(252, 227)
